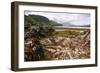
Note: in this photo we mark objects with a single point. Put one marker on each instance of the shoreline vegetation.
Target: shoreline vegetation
(43, 41)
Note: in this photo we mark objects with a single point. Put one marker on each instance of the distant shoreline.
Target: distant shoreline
(68, 27)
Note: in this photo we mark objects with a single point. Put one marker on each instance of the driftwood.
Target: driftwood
(60, 48)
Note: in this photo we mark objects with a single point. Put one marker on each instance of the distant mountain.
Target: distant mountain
(68, 24)
(72, 25)
(84, 25)
(55, 23)
(80, 25)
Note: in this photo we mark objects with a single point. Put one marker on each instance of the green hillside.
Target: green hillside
(32, 19)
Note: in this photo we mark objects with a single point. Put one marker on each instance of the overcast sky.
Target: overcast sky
(64, 18)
